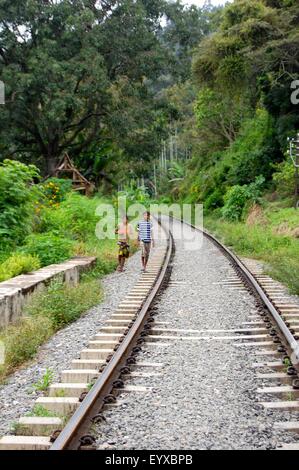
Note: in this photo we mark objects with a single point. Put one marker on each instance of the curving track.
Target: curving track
(272, 332)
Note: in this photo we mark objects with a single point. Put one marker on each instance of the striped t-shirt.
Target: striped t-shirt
(145, 231)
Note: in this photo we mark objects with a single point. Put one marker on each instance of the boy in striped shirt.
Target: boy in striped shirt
(145, 237)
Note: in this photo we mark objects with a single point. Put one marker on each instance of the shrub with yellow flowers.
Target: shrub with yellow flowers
(55, 190)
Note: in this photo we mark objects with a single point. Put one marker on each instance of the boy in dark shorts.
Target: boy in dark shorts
(125, 232)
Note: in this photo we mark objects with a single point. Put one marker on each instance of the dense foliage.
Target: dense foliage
(17, 196)
(152, 98)
(45, 223)
(85, 76)
(110, 82)
(244, 114)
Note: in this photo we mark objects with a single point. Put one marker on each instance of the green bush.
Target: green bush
(17, 201)
(64, 185)
(238, 197)
(4, 255)
(254, 151)
(55, 190)
(62, 304)
(254, 163)
(18, 264)
(49, 248)
(75, 218)
(235, 200)
(104, 265)
(22, 340)
(214, 200)
(284, 178)
(80, 214)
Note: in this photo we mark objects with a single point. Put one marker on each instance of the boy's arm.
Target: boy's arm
(138, 234)
(152, 236)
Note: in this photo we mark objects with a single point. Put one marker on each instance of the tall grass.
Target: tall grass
(47, 312)
(61, 232)
(280, 252)
(18, 264)
(21, 341)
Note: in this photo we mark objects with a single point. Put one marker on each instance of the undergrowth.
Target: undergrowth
(49, 311)
(261, 241)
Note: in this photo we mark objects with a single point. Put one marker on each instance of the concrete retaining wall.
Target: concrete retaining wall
(15, 292)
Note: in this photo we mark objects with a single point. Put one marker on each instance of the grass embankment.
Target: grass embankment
(52, 309)
(59, 232)
(270, 234)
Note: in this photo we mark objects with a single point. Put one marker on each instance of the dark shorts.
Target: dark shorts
(146, 249)
(124, 249)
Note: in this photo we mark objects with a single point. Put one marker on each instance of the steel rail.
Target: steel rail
(80, 422)
(291, 341)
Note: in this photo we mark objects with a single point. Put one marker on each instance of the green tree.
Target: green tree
(17, 201)
(88, 77)
(243, 73)
(255, 52)
(61, 63)
(219, 116)
(185, 28)
(55, 78)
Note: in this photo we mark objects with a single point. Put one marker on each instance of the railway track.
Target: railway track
(96, 379)
(88, 387)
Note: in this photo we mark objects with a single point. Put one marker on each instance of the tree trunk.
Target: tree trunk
(51, 163)
(52, 156)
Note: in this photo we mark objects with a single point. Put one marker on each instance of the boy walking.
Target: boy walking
(125, 233)
(145, 237)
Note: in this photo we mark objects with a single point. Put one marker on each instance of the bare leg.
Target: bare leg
(119, 263)
(122, 264)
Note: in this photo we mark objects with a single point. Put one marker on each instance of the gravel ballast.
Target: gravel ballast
(206, 397)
